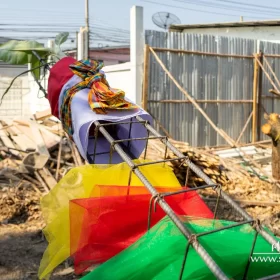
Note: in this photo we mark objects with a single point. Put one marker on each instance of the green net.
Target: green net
(159, 254)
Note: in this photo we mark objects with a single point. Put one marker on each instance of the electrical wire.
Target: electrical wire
(251, 5)
(196, 10)
(226, 7)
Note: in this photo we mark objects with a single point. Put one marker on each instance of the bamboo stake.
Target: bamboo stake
(267, 75)
(202, 53)
(201, 101)
(244, 128)
(191, 99)
(260, 107)
(161, 126)
(274, 92)
(271, 70)
(146, 77)
(58, 160)
(255, 100)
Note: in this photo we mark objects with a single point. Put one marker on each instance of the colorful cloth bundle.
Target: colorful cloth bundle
(107, 223)
(158, 255)
(100, 97)
(83, 182)
(75, 105)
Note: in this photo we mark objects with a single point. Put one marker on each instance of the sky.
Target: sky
(109, 19)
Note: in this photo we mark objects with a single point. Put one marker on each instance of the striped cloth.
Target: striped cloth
(100, 97)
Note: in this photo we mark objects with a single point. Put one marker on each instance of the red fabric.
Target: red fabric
(59, 75)
(101, 227)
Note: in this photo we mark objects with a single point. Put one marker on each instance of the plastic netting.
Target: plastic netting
(79, 182)
(158, 255)
(104, 226)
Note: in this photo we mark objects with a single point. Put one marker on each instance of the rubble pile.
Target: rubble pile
(34, 154)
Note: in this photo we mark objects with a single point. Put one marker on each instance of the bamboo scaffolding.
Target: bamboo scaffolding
(192, 100)
(202, 53)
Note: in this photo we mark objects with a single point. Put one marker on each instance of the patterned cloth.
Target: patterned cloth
(100, 97)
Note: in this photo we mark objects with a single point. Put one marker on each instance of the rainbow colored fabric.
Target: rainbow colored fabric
(100, 97)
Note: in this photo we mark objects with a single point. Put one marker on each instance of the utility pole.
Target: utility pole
(87, 25)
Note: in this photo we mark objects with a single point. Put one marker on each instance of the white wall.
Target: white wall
(265, 33)
(22, 99)
(119, 76)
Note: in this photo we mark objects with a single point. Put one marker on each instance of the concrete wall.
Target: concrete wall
(23, 98)
(264, 33)
(119, 76)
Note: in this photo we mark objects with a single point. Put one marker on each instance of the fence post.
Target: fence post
(259, 111)
(146, 69)
(255, 100)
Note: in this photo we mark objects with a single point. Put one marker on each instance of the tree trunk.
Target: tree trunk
(272, 129)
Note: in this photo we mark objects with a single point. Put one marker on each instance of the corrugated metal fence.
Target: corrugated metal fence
(206, 78)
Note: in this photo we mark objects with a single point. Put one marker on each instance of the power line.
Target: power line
(226, 7)
(251, 5)
(195, 10)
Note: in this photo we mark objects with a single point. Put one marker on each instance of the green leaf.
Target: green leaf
(20, 52)
(35, 65)
(61, 38)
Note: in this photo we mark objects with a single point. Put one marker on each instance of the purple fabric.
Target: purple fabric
(83, 123)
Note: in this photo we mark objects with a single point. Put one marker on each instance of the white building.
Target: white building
(268, 30)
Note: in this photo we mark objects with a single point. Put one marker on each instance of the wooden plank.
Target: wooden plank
(50, 139)
(7, 141)
(255, 100)
(47, 177)
(260, 107)
(24, 142)
(43, 114)
(38, 139)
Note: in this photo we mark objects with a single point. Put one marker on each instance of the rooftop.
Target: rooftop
(181, 27)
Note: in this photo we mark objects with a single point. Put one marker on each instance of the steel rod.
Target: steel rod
(208, 181)
(166, 208)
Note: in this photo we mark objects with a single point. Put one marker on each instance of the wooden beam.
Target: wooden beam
(244, 128)
(202, 53)
(255, 100)
(43, 114)
(145, 89)
(259, 110)
(201, 101)
(222, 134)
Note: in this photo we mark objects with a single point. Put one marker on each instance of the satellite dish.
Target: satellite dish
(164, 20)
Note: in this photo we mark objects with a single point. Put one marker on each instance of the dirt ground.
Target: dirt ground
(21, 240)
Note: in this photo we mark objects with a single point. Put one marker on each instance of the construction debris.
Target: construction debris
(34, 155)
(241, 180)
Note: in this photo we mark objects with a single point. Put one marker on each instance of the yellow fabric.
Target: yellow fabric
(79, 182)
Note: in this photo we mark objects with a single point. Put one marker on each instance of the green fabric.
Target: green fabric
(158, 255)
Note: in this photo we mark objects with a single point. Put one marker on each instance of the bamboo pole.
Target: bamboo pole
(274, 92)
(267, 75)
(201, 101)
(145, 89)
(259, 110)
(223, 134)
(202, 53)
(161, 126)
(244, 128)
(255, 100)
(271, 70)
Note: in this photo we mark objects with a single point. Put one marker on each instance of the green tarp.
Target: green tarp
(158, 255)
